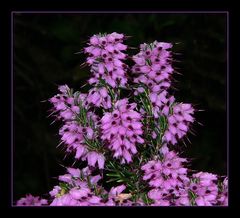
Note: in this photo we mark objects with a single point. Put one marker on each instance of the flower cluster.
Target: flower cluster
(122, 129)
(205, 189)
(173, 186)
(124, 133)
(80, 188)
(161, 103)
(106, 59)
(74, 190)
(178, 122)
(30, 200)
(75, 137)
(99, 97)
(168, 178)
(72, 108)
(153, 66)
(64, 105)
(153, 70)
(167, 173)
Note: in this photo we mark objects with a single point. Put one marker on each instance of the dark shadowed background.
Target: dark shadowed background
(44, 47)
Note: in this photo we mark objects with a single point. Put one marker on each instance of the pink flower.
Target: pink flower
(79, 193)
(94, 157)
(205, 188)
(30, 200)
(153, 66)
(65, 178)
(106, 59)
(64, 200)
(178, 122)
(77, 190)
(99, 98)
(168, 177)
(65, 106)
(122, 130)
(161, 103)
(206, 179)
(99, 125)
(167, 173)
(116, 190)
(74, 172)
(223, 195)
(55, 191)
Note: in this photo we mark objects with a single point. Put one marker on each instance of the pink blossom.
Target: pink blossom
(99, 97)
(30, 200)
(106, 59)
(153, 66)
(94, 157)
(122, 130)
(178, 125)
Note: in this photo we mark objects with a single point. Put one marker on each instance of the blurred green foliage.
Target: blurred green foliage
(44, 47)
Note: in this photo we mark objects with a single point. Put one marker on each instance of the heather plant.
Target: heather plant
(126, 134)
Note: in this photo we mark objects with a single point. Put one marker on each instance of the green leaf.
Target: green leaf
(148, 61)
(113, 175)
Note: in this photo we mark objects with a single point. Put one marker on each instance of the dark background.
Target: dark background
(44, 47)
